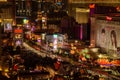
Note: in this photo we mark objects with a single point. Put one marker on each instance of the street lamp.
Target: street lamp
(0, 42)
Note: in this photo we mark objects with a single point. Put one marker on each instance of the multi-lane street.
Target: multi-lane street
(90, 70)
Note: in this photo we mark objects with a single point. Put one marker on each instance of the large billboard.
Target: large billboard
(108, 35)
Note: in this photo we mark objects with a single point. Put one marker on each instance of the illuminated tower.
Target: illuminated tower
(39, 15)
(5, 16)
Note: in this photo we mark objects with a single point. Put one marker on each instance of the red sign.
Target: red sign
(108, 18)
(18, 31)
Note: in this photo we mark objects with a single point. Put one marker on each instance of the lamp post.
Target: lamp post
(0, 45)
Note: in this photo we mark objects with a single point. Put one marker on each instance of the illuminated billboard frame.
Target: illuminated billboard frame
(108, 35)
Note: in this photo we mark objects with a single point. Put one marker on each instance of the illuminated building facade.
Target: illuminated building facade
(6, 20)
(22, 10)
(82, 10)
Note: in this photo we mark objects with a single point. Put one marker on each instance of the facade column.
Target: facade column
(0, 44)
(93, 32)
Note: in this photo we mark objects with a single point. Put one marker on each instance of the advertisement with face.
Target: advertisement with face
(7, 27)
(108, 37)
(101, 36)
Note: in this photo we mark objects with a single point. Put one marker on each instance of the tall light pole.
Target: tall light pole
(0, 42)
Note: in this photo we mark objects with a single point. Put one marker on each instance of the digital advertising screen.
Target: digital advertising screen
(7, 27)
